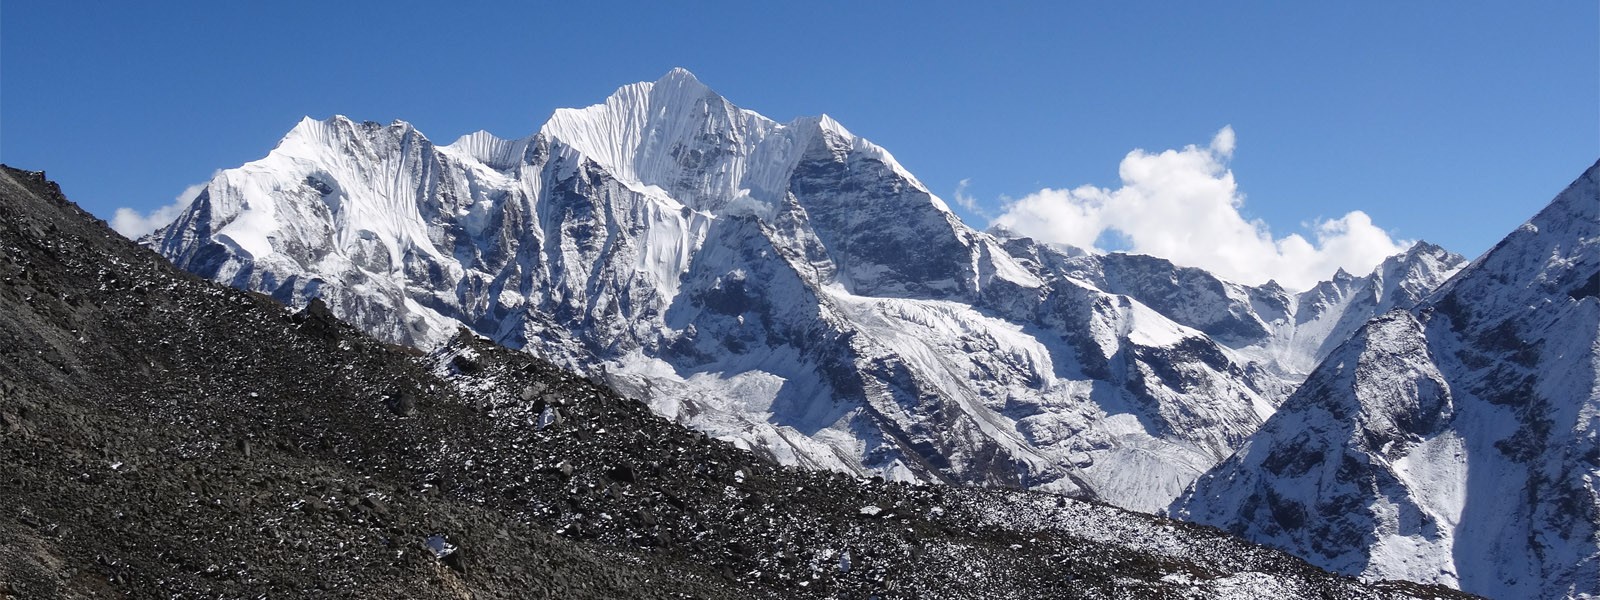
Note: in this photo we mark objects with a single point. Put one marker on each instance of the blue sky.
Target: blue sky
(1446, 121)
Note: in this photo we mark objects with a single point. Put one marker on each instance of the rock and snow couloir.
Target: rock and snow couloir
(1457, 442)
(787, 286)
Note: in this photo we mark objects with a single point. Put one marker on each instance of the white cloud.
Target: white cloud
(133, 225)
(967, 201)
(1183, 205)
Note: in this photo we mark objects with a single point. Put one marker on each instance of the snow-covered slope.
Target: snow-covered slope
(787, 286)
(1454, 443)
(1287, 332)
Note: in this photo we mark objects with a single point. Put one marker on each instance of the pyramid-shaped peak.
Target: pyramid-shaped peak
(1423, 251)
(642, 133)
(316, 132)
(679, 76)
(340, 124)
(679, 86)
(1425, 247)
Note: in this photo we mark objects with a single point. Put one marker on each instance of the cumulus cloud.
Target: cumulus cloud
(1183, 205)
(133, 225)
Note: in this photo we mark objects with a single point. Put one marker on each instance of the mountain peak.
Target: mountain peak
(679, 76)
(316, 132)
(1424, 247)
(1421, 255)
(644, 132)
(679, 87)
(313, 130)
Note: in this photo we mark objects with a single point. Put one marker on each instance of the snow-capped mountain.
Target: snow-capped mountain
(787, 286)
(1453, 443)
(141, 461)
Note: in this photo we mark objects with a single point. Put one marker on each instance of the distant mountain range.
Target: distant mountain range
(789, 287)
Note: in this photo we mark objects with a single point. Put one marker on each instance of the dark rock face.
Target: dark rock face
(162, 436)
(1191, 296)
(874, 222)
